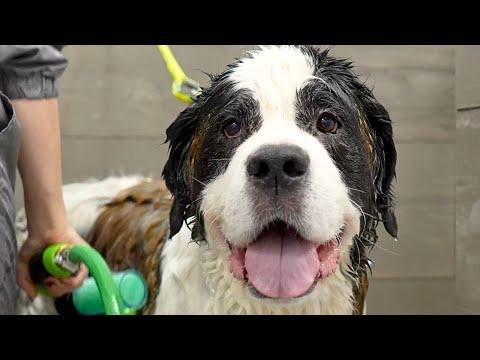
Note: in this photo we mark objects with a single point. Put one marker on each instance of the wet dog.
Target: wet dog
(277, 177)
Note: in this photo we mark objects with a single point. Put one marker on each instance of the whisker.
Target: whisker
(356, 190)
(213, 221)
(375, 245)
(359, 257)
(198, 199)
(373, 217)
(363, 213)
(194, 178)
(386, 250)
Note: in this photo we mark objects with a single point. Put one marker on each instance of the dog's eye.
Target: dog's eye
(327, 123)
(232, 128)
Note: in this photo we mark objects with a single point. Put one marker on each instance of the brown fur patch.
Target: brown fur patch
(360, 294)
(366, 137)
(195, 149)
(131, 230)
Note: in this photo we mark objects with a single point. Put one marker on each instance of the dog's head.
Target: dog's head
(285, 161)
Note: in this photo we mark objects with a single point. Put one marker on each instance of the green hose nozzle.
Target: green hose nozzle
(102, 275)
(131, 288)
(120, 294)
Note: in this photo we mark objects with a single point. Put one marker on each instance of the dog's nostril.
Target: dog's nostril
(263, 169)
(294, 168)
(258, 168)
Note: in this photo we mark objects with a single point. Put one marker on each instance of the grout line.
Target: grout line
(115, 137)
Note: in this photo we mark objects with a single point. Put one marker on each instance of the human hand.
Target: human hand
(35, 244)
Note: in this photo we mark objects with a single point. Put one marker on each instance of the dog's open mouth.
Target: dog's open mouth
(281, 264)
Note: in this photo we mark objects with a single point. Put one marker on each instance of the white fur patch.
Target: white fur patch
(274, 74)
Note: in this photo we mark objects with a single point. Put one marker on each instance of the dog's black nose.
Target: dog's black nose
(278, 166)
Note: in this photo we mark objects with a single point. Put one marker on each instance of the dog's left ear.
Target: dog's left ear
(176, 172)
(380, 126)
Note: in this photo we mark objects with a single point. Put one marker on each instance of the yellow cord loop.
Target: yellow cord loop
(183, 88)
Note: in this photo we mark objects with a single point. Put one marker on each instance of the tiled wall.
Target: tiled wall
(116, 103)
(468, 179)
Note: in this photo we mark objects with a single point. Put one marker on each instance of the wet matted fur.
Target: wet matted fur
(183, 244)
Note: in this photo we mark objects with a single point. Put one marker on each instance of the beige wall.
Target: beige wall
(467, 182)
(116, 103)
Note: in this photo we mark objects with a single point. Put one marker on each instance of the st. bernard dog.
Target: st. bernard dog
(277, 177)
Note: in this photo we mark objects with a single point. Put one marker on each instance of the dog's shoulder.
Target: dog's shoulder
(131, 230)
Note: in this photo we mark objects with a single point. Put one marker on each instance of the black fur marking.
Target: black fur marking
(176, 172)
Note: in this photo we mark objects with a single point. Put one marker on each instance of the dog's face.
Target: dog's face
(285, 162)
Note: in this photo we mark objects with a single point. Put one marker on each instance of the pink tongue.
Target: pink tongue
(281, 266)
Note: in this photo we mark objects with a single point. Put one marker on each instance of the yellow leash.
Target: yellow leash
(183, 88)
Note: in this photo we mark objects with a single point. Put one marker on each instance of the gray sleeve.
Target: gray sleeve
(31, 71)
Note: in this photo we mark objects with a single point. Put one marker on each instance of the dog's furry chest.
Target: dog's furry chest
(183, 289)
(197, 280)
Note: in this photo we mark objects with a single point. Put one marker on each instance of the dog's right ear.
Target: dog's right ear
(177, 172)
(384, 146)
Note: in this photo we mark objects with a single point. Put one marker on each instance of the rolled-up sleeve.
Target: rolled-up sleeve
(31, 71)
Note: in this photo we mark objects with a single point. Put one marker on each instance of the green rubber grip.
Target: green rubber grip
(132, 290)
